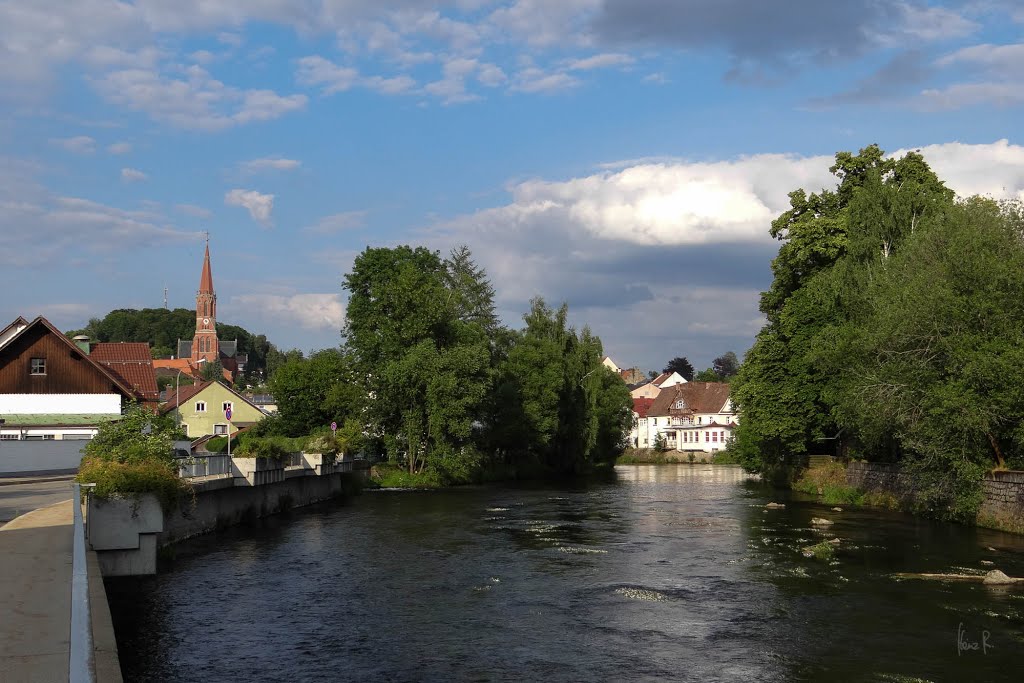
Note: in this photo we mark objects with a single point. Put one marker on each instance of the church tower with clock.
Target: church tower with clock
(205, 346)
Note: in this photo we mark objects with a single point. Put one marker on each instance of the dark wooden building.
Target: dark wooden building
(36, 358)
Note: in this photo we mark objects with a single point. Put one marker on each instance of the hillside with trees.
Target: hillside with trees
(895, 332)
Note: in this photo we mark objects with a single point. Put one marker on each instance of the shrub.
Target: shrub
(133, 456)
(458, 467)
(266, 447)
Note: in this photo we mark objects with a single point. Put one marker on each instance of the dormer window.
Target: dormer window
(680, 404)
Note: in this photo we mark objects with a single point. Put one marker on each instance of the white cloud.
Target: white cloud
(601, 61)
(80, 144)
(310, 311)
(270, 164)
(397, 85)
(196, 101)
(119, 148)
(323, 73)
(535, 80)
(133, 175)
(338, 222)
(1007, 58)
(260, 206)
(60, 228)
(194, 211)
(667, 251)
(961, 95)
(994, 170)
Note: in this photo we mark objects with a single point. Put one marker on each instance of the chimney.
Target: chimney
(82, 342)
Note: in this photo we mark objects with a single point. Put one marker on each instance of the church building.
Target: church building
(205, 347)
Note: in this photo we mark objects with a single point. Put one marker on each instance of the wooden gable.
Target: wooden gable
(65, 368)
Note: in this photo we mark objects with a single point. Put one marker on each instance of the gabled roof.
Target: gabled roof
(700, 397)
(187, 393)
(118, 382)
(132, 362)
(642, 405)
(11, 330)
(182, 395)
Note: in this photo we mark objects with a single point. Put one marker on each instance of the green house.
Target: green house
(202, 409)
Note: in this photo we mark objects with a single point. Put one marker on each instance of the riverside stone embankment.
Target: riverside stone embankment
(1002, 505)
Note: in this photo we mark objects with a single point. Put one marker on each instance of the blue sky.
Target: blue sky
(626, 156)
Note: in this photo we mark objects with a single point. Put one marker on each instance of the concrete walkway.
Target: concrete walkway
(35, 595)
(35, 600)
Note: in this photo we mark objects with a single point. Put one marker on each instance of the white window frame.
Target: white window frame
(220, 429)
(200, 406)
(35, 365)
(227, 404)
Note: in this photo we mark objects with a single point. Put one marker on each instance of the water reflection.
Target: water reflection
(665, 573)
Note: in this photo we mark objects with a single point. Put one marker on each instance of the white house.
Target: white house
(692, 417)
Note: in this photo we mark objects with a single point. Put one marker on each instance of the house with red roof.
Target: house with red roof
(692, 417)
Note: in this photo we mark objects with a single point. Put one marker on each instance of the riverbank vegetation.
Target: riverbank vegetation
(428, 379)
(895, 333)
(134, 455)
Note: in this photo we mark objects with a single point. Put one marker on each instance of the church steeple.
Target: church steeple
(205, 346)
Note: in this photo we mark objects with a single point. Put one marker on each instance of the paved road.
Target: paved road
(17, 499)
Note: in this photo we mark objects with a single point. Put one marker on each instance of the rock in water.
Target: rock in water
(818, 521)
(775, 506)
(837, 509)
(998, 578)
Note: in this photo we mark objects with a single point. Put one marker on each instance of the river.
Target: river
(663, 572)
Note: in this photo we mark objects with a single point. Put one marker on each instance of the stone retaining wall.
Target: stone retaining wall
(1004, 499)
(1002, 505)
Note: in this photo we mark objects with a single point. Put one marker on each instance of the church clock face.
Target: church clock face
(206, 322)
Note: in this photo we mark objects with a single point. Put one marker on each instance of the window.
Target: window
(722, 435)
(226, 406)
(714, 436)
(39, 437)
(655, 421)
(707, 437)
(38, 366)
(9, 437)
(698, 420)
(680, 404)
(200, 406)
(220, 429)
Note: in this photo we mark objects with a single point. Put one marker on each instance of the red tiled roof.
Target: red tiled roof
(700, 397)
(131, 362)
(183, 395)
(642, 405)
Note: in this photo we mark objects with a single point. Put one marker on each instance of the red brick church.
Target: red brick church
(205, 347)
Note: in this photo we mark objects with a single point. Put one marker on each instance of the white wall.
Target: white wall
(62, 404)
(24, 457)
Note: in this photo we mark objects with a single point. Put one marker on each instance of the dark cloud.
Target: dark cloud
(903, 71)
(762, 36)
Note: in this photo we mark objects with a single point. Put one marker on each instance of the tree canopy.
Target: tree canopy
(682, 366)
(894, 329)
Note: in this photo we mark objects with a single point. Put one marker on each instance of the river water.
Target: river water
(664, 572)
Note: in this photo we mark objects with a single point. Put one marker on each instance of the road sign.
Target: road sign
(334, 426)
(227, 412)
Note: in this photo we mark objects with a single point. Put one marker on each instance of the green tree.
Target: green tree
(682, 366)
(312, 393)
(212, 370)
(707, 375)
(725, 366)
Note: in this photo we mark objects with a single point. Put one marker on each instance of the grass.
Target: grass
(821, 551)
(642, 456)
(828, 482)
(1000, 522)
(392, 477)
